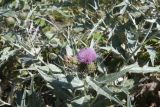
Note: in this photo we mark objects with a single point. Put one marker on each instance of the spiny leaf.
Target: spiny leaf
(102, 91)
(61, 80)
(152, 53)
(114, 76)
(50, 67)
(69, 51)
(144, 69)
(82, 101)
(23, 100)
(34, 99)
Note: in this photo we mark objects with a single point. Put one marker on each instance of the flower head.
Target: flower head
(86, 55)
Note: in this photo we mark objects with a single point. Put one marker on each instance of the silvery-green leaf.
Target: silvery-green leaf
(145, 69)
(122, 3)
(81, 102)
(54, 42)
(46, 77)
(144, 8)
(131, 40)
(23, 99)
(6, 53)
(34, 99)
(122, 11)
(92, 43)
(111, 32)
(50, 67)
(67, 82)
(129, 83)
(107, 78)
(151, 20)
(133, 20)
(136, 14)
(60, 80)
(77, 83)
(152, 53)
(35, 50)
(7, 13)
(105, 92)
(10, 37)
(27, 60)
(110, 48)
(101, 66)
(158, 26)
(78, 29)
(69, 51)
(49, 34)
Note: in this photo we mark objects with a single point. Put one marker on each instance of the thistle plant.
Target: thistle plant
(86, 58)
(39, 66)
(86, 55)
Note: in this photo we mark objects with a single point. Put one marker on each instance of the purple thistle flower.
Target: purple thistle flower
(86, 55)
